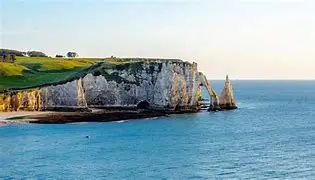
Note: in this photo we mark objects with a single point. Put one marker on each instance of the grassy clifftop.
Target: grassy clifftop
(38, 71)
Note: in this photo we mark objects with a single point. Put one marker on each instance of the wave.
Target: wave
(2, 123)
(122, 121)
(150, 118)
(242, 105)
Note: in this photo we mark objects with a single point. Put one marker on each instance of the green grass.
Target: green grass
(55, 64)
(10, 69)
(32, 72)
(29, 72)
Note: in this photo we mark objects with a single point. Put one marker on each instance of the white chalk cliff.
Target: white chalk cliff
(158, 85)
(168, 85)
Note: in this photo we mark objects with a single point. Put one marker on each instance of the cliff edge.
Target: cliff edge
(159, 85)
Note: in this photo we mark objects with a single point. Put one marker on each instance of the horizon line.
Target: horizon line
(247, 79)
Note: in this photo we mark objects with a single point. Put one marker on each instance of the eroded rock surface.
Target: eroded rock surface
(157, 85)
(226, 98)
(214, 100)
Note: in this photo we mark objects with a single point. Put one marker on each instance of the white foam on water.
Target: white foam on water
(150, 118)
(79, 123)
(2, 123)
(246, 105)
(122, 121)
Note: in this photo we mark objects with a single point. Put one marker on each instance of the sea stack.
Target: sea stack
(226, 98)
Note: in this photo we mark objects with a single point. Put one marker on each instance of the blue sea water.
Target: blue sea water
(271, 135)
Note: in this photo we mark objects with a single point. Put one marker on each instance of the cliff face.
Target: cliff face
(20, 101)
(67, 96)
(155, 85)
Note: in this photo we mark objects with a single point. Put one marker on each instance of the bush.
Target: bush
(36, 54)
(59, 56)
(7, 58)
(9, 51)
(72, 54)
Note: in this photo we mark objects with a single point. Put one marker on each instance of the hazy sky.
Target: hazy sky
(248, 39)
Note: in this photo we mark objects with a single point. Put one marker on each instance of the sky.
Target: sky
(247, 39)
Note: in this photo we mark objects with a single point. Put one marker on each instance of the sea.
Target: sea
(270, 136)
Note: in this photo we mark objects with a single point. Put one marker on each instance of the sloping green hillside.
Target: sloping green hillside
(37, 71)
(27, 72)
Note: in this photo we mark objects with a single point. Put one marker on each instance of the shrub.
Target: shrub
(72, 54)
(9, 51)
(59, 56)
(7, 58)
(36, 54)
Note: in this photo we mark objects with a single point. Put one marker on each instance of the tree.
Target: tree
(36, 54)
(72, 54)
(10, 58)
(59, 56)
(10, 51)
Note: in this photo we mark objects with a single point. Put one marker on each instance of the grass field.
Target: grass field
(30, 72)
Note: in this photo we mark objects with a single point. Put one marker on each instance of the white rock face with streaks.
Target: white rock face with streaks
(69, 95)
(164, 86)
(159, 85)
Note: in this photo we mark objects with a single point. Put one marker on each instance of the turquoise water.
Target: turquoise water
(271, 135)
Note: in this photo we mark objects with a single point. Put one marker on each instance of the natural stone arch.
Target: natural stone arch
(143, 105)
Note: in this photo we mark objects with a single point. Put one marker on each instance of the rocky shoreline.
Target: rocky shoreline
(93, 116)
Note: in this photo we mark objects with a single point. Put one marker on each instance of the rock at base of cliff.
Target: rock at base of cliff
(214, 107)
(228, 106)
